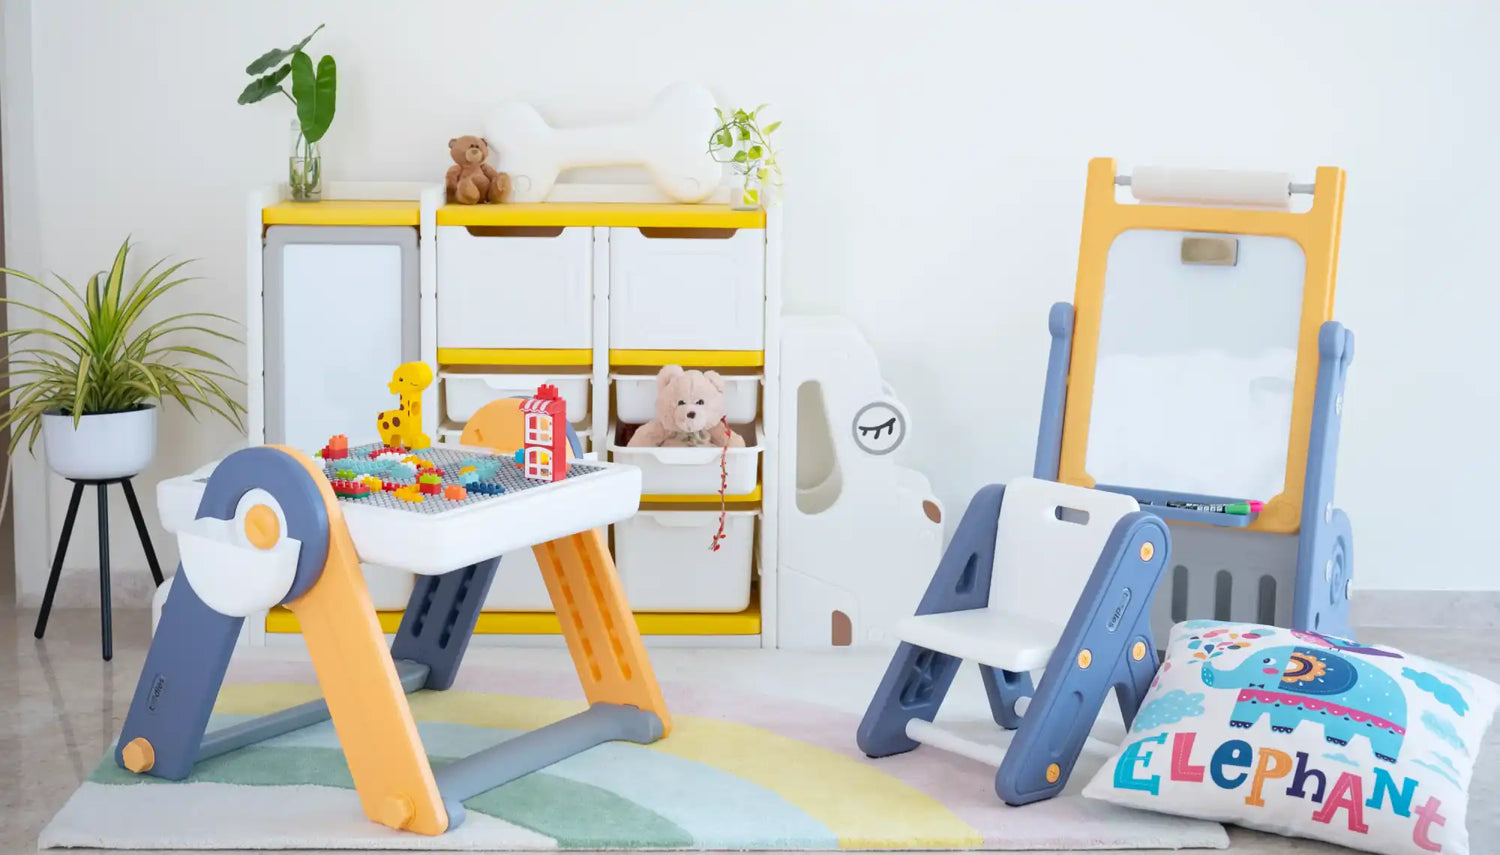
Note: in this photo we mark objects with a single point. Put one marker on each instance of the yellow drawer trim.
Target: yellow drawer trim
(350, 212)
(282, 622)
(691, 498)
(708, 358)
(623, 214)
(501, 356)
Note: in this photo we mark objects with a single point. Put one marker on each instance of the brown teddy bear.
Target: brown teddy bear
(689, 412)
(470, 178)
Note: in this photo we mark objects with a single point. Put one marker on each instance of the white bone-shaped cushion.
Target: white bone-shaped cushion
(230, 574)
(670, 141)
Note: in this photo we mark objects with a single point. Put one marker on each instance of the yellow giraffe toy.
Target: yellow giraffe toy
(403, 425)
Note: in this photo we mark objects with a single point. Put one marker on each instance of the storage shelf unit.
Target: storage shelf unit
(515, 292)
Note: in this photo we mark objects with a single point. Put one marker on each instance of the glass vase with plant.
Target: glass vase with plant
(313, 94)
(740, 141)
(90, 377)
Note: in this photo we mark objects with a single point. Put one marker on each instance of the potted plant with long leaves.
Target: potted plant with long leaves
(740, 141)
(89, 379)
(314, 90)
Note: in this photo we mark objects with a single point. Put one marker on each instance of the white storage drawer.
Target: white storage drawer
(390, 587)
(518, 585)
(686, 293)
(465, 393)
(635, 397)
(666, 563)
(692, 471)
(513, 289)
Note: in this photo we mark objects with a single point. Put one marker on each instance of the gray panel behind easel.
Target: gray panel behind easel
(341, 308)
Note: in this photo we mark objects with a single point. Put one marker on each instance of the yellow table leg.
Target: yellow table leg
(597, 622)
(365, 701)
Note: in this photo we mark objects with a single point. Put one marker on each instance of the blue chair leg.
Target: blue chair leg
(917, 679)
(1004, 689)
(1107, 645)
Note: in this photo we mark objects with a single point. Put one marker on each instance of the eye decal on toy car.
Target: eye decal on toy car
(879, 428)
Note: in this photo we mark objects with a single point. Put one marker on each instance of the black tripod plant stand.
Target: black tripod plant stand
(62, 551)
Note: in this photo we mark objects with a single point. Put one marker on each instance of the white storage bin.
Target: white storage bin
(390, 587)
(635, 397)
(518, 585)
(686, 293)
(514, 290)
(666, 563)
(465, 393)
(692, 471)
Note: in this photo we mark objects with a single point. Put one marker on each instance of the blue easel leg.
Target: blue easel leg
(179, 681)
(439, 620)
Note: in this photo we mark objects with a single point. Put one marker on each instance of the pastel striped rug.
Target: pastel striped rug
(741, 771)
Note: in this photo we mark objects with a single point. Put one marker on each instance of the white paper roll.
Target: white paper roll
(1212, 187)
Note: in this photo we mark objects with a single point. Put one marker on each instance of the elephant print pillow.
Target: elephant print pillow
(1305, 735)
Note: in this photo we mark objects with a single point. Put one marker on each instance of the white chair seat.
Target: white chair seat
(1001, 639)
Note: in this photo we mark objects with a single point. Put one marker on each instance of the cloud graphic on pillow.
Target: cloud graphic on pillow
(1444, 731)
(1170, 708)
(1445, 694)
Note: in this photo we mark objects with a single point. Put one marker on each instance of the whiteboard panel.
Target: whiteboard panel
(1196, 365)
(341, 312)
(339, 362)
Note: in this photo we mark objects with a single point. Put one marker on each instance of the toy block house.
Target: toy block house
(545, 455)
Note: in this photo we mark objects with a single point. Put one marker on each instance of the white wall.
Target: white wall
(936, 155)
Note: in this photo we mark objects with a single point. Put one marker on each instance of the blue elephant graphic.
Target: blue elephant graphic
(1346, 696)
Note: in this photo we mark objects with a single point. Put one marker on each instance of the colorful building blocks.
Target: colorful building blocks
(336, 449)
(349, 489)
(455, 492)
(409, 493)
(546, 435)
(403, 425)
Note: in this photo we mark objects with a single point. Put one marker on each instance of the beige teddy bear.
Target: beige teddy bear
(689, 412)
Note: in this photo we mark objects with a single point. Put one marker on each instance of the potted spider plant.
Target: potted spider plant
(90, 378)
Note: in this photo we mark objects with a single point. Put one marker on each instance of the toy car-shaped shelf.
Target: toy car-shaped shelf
(501, 511)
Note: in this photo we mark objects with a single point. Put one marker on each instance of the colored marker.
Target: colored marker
(1239, 509)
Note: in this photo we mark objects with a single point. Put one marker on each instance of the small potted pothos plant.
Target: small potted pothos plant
(90, 378)
(313, 94)
(741, 141)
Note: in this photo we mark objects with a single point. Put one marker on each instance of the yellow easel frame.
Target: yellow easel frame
(1104, 219)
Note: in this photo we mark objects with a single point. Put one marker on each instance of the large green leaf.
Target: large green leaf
(264, 87)
(271, 57)
(314, 92)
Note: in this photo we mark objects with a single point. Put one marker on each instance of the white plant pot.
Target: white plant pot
(110, 445)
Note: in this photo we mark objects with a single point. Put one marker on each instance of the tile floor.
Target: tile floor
(60, 706)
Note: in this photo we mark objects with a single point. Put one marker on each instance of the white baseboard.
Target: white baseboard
(1423, 609)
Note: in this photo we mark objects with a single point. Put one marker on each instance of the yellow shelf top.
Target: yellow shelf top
(629, 214)
(282, 621)
(347, 212)
(706, 358)
(512, 356)
(696, 499)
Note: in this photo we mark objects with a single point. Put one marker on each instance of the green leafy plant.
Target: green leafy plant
(101, 356)
(741, 142)
(314, 92)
